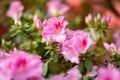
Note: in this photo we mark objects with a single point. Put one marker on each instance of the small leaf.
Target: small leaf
(55, 57)
(81, 67)
(45, 68)
(85, 78)
(88, 65)
(118, 63)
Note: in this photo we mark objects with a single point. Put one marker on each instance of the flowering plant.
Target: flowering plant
(44, 44)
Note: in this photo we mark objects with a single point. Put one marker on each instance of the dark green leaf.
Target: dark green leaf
(118, 63)
(88, 65)
(81, 67)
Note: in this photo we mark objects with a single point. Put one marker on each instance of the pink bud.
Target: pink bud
(108, 18)
(37, 22)
(88, 18)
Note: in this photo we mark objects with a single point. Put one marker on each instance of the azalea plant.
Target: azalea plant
(45, 43)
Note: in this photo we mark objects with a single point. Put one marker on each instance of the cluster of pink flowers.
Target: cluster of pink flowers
(73, 43)
(19, 65)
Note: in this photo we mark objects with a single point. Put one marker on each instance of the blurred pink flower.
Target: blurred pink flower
(56, 8)
(109, 73)
(15, 11)
(22, 66)
(116, 36)
(76, 45)
(3, 55)
(37, 22)
(93, 73)
(57, 77)
(73, 74)
(110, 47)
(54, 29)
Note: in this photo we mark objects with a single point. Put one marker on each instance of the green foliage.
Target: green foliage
(88, 65)
(85, 78)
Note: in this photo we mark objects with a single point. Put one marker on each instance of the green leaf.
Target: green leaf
(118, 63)
(85, 78)
(54, 56)
(81, 67)
(45, 68)
(88, 65)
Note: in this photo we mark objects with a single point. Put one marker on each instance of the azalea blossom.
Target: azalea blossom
(116, 36)
(15, 11)
(109, 73)
(56, 7)
(73, 74)
(21, 66)
(110, 47)
(93, 73)
(3, 55)
(54, 30)
(76, 45)
(37, 22)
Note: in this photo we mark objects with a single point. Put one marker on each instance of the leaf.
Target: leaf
(54, 56)
(118, 63)
(45, 68)
(88, 65)
(81, 67)
(85, 78)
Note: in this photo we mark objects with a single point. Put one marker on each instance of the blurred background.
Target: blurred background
(78, 9)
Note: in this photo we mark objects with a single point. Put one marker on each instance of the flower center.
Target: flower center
(21, 64)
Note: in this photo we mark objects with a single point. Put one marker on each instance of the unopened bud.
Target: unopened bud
(88, 18)
(103, 20)
(98, 16)
(108, 18)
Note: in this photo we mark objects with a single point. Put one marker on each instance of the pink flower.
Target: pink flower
(15, 11)
(109, 73)
(3, 55)
(110, 47)
(56, 7)
(78, 43)
(73, 74)
(93, 73)
(57, 77)
(22, 66)
(116, 36)
(37, 22)
(54, 30)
